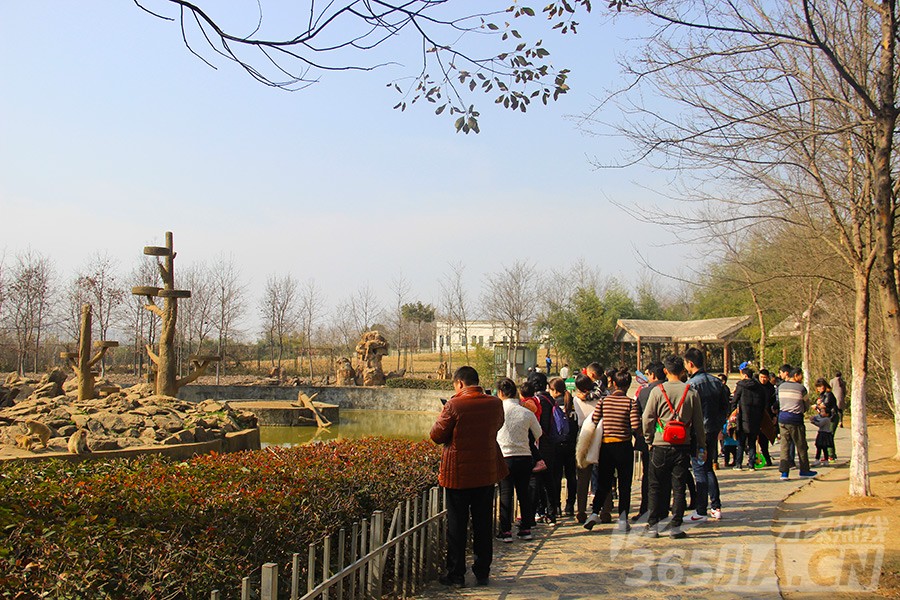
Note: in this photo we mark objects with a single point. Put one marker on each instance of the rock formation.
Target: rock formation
(369, 352)
(130, 417)
(344, 370)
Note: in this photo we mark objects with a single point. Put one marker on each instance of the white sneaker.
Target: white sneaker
(591, 521)
(696, 518)
(715, 514)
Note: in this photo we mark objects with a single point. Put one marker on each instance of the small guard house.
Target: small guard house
(656, 335)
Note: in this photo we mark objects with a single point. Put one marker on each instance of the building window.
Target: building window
(481, 340)
(474, 340)
(504, 339)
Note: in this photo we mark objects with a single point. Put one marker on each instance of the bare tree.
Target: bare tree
(229, 303)
(790, 109)
(278, 309)
(144, 325)
(400, 287)
(365, 308)
(512, 297)
(30, 295)
(312, 305)
(70, 307)
(456, 304)
(103, 289)
(197, 322)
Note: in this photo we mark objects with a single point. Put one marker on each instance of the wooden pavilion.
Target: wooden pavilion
(657, 334)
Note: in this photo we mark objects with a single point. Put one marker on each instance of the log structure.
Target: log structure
(82, 362)
(167, 381)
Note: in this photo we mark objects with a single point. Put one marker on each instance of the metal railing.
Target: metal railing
(365, 562)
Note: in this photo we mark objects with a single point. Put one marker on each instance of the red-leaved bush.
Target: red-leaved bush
(153, 528)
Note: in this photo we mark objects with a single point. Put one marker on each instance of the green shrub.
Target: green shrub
(152, 528)
(419, 384)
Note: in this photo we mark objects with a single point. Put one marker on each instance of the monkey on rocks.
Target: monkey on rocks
(78, 442)
(38, 429)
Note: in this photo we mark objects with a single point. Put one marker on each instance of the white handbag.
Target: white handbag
(587, 448)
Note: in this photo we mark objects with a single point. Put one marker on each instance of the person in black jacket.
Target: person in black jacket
(750, 399)
(768, 427)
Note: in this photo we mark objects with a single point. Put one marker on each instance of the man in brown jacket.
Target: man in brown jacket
(471, 464)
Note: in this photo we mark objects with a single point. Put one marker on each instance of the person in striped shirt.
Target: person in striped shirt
(621, 423)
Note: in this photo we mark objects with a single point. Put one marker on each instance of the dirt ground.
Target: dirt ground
(841, 538)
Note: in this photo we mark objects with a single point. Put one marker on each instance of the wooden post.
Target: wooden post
(311, 569)
(295, 576)
(375, 567)
(269, 589)
(726, 357)
(639, 365)
(245, 588)
(622, 353)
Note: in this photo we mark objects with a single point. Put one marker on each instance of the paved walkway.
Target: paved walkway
(734, 557)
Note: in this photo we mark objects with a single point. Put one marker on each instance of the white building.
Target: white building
(478, 333)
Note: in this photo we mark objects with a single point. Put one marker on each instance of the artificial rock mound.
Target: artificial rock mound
(132, 417)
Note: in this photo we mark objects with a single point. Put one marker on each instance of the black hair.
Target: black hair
(610, 373)
(837, 374)
(622, 380)
(821, 381)
(507, 386)
(785, 368)
(594, 368)
(796, 372)
(747, 371)
(583, 383)
(656, 368)
(538, 380)
(526, 389)
(695, 355)
(764, 372)
(466, 375)
(723, 377)
(674, 364)
(557, 384)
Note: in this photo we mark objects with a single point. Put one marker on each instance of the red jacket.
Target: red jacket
(468, 428)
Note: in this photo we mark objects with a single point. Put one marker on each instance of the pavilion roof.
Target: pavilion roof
(704, 330)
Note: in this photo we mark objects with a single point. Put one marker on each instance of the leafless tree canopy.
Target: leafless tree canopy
(29, 294)
(229, 304)
(278, 310)
(512, 297)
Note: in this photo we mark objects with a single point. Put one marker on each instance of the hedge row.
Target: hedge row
(420, 384)
(152, 528)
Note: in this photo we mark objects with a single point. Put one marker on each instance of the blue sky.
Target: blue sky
(109, 125)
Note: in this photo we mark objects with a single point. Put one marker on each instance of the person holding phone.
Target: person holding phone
(471, 465)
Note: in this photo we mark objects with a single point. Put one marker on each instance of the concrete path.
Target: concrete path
(731, 558)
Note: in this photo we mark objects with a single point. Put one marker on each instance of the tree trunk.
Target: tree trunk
(762, 329)
(83, 370)
(859, 457)
(166, 376)
(885, 218)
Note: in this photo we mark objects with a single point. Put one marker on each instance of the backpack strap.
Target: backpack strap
(669, 402)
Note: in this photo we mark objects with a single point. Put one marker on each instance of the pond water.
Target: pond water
(355, 424)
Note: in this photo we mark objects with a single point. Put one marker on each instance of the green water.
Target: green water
(355, 424)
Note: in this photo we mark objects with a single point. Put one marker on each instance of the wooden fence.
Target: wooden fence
(367, 561)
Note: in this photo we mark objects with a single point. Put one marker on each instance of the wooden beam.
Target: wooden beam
(726, 357)
(639, 365)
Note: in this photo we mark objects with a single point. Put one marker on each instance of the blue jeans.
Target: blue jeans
(705, 477)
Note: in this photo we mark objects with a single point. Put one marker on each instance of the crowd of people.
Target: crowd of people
(677, 424)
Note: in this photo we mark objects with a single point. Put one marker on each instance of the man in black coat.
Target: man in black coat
(750, 399)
